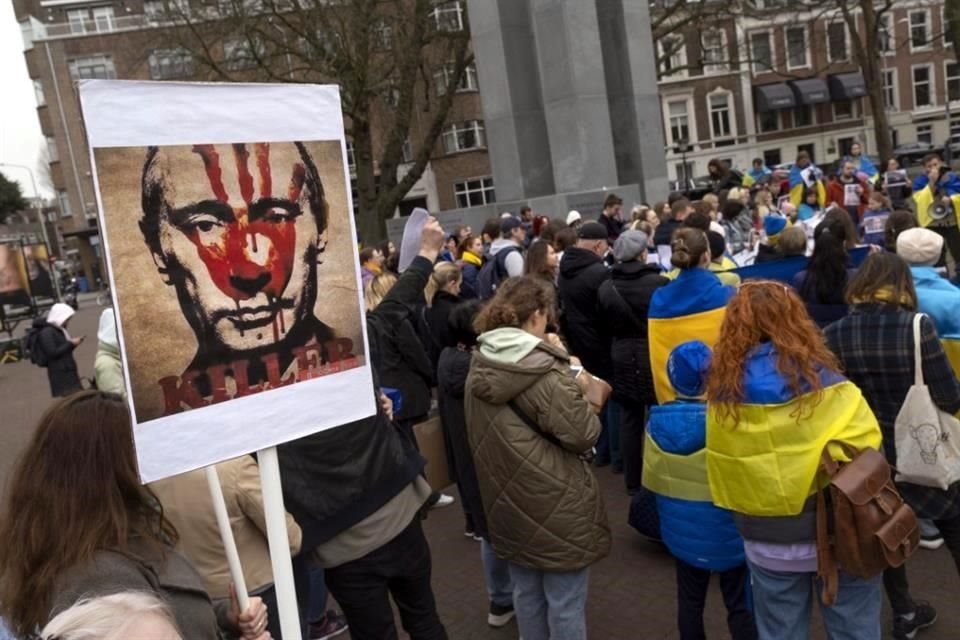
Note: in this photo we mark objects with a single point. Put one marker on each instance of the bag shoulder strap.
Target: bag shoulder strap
(530, 422)
(633, 317)
(917, 355)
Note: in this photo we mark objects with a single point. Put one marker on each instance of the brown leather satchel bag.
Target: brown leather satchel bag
(867, 526)
(598, 392)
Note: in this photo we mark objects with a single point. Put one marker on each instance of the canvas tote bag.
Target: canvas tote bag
(927, 439)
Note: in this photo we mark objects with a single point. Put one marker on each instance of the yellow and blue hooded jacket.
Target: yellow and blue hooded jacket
(767, 463)
(925, 194)
(798, 188)
(690, 307)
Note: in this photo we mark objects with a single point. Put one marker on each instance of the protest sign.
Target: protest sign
(228, 231)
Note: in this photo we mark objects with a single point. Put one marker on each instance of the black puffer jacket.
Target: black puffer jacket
(581, 274)
(364, 464)
(57, 351)
(452, 373)
(624, 301)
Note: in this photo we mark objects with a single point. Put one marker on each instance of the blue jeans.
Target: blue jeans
(608, 444)
(496, 573)
(783, 602)
(550, 605)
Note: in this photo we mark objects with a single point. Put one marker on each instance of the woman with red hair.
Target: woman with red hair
(775, 401)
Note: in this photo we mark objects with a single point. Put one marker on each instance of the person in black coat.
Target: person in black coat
(443, 295)
(54, 349)
(623, 302)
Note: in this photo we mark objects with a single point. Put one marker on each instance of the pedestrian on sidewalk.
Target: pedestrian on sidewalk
(51, 346)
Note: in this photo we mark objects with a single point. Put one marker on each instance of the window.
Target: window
(945, 27)
(154, 9)
(382, 35)
(684, 172)
(443, 75)
(679, 121)
(954, 128)
(953, 81)
(77, 19)
(889, 78)
(464, 136)
(241, 53)
(38, 93)
(761, 49)
(797, 47)
(170, 63)
(772, 157)
(407, 151)
(836, 42)
(100, 67)
(103, 18)
(843, 110)
(922, 89)
(768, 121)
(52, 149)
(351, 157)
(474, 193)
(713, 44)
(449, 16)
(885, 36)
(63, 200)
(925, 133)
(673, 56)
(803, 116)
(919, 29)
(720, 116)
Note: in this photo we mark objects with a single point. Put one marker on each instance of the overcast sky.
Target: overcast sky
(20, 137)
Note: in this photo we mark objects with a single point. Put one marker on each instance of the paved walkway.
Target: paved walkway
(631, 591)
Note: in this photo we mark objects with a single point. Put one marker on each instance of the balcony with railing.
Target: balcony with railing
(95, 26)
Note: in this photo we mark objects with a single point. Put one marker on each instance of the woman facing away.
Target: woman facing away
(775, 399)
(86, 527)
(548, 519)
(822, 283)
(875, 345)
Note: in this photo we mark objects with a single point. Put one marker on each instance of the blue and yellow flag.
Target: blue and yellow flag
(689, 308)
(798, 187)
(925, 196)
(767, 463)
(862, 164)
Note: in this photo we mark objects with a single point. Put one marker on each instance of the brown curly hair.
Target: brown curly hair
(515, 301)
(767, 311)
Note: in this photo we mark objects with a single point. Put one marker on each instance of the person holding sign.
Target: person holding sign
(86, 527)
(849, 191)
(356, 491)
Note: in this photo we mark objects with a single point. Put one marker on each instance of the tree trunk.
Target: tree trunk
(881, 121)
(369, 223)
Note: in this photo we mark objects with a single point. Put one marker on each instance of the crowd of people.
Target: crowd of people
(550, 347)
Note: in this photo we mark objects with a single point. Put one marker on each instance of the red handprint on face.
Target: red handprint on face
(247, 245)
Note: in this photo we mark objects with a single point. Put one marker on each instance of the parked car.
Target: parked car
(913, 152)
(692, 189)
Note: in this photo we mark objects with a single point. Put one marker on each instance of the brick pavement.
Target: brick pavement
(631, 591)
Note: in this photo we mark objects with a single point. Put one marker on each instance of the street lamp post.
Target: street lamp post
(36, 204)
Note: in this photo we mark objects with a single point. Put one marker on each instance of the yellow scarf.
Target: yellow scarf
(373, 267)
(471, 258)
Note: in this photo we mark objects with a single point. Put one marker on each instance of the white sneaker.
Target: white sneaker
(444, 501)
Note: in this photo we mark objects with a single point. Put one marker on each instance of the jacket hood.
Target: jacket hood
(499, 373)
(508, 345)
(107, 332)
(500, 244)
(59, 314)
(576, 260)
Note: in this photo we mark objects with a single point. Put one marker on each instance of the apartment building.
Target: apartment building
(777, 81)
(69, 40)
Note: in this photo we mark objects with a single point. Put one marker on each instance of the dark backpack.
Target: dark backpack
(492, 273)
(37, 355)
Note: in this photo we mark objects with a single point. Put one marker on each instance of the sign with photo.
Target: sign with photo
(229, 235)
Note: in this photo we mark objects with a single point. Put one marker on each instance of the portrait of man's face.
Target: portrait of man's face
(240, 249)
(10, 280)
(251, 243)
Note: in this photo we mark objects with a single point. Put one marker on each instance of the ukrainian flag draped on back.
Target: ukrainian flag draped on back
(924, 195)
(689, 308)
(767, 463)
(862, 164)
(798, 185)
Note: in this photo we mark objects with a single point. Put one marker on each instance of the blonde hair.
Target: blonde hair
(443, 274)
(377, 289)
(106, 618)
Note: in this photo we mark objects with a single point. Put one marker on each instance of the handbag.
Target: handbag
(927, 439)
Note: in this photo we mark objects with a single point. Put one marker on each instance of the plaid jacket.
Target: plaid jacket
(875, 348)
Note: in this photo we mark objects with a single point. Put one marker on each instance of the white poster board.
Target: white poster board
(228, 230)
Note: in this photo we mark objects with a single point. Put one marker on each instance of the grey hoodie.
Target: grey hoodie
(514, 261)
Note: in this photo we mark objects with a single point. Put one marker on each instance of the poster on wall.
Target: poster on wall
(230, 241)
(13, 290)
(36, 269)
